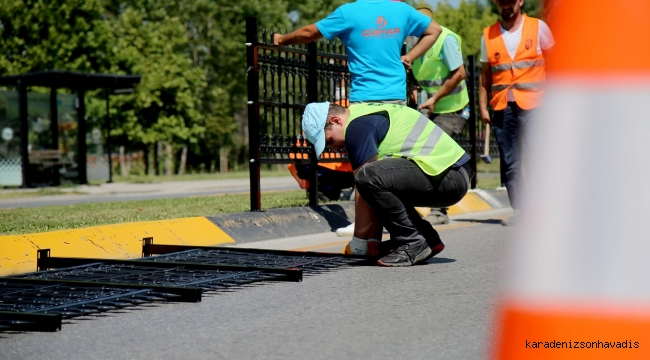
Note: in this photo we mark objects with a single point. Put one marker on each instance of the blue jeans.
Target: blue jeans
(511, 127)
(394, 187)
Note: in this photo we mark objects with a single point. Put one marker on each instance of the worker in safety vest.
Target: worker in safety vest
(437, 83)
(401, 160)
(512, 57)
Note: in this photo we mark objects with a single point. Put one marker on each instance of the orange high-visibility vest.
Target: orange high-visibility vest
(525, 75)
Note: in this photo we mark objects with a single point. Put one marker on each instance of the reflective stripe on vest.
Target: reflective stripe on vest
(412, 136)
(524, 75)
(520, 86)
(462, 86)
(519, 65)
(431, 73)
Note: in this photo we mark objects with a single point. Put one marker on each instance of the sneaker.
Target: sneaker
(513, 220)
(406, 255)
(345, 231)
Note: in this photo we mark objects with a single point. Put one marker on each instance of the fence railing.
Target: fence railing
(283, 80)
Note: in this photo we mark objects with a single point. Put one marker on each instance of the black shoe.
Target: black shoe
(406, 255)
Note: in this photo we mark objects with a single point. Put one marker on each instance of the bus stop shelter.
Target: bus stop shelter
(75, 81)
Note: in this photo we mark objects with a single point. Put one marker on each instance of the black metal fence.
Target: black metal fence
(283, 80)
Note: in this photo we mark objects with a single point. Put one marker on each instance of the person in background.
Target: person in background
(438, 82)
(437, 86)
(513, 70)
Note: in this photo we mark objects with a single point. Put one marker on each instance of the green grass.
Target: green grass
(146, 179)
(488, 175)
(63, 217)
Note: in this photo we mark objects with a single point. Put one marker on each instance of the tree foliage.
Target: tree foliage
(42, 34)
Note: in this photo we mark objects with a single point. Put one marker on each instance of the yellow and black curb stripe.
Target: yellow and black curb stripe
(124, 241)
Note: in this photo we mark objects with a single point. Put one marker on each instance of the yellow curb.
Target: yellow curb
(118, 241)
(472, 202)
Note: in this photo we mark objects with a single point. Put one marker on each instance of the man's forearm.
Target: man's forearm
(483, 85)
(304, 35)
(426, 42)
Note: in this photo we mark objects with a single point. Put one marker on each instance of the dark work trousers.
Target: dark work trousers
(511, 131)
(394, 187)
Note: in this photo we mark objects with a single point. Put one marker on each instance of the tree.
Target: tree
(41, 35)
(164, 108)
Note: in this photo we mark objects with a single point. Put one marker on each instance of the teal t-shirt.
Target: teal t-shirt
(451, 54)
(373, 32)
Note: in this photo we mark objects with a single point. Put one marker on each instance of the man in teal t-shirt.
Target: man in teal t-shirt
(373, 32)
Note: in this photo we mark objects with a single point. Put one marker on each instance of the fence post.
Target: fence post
(312, 96)
(472, 116)
(253, 82)
(24, 132)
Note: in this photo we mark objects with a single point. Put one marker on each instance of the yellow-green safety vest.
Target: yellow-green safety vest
(430, 72)
(412, 136)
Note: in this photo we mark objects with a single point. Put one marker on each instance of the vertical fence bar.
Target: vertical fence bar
(24, 131)
(252, 76)
(108, 135)
(312, 96)
(472, 116)
(82, 129)
(54, 130)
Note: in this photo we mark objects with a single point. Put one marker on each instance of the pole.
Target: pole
(253, 83)
(81, 137)
(108, 137)
(472, 116)
(312, 96)
(24, 131)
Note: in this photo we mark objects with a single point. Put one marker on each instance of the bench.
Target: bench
(47, 158)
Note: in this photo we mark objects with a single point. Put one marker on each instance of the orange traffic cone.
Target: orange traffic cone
(578, 281)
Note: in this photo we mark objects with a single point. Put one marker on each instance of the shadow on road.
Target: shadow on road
(439, 260)
(482, 221)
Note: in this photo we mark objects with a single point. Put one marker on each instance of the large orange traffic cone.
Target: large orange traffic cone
(578, 283)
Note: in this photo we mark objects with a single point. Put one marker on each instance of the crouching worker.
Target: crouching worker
(400, 160)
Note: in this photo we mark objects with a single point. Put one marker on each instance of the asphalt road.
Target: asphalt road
(439, 310)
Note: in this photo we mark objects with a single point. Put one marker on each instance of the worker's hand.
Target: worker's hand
(406, 60)
(485, 116)
(413, 92)
(277, 39)
(429, 104)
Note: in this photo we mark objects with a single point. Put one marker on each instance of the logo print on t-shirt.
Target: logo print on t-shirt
(381, 22)
(497, 56)
(380, 31)
(529, 44)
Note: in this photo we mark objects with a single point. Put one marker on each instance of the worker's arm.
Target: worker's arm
(427, 40)
(456, 76)
(304, 35)
(484, 86)
(366, 224)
